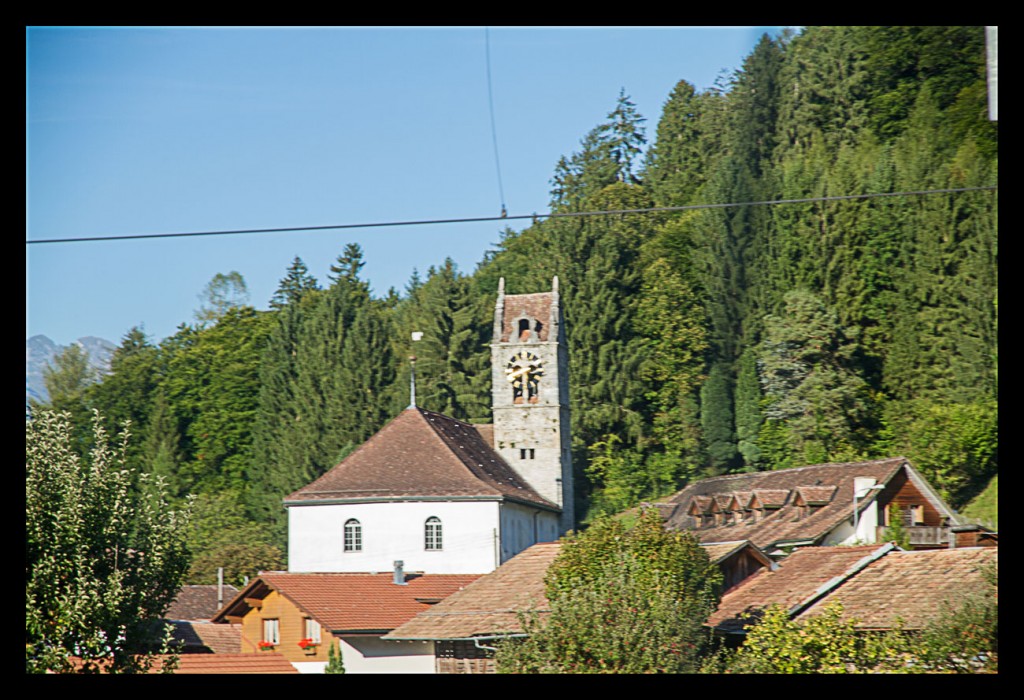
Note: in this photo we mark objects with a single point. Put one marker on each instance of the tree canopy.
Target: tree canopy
(105, 554)
(621, 601)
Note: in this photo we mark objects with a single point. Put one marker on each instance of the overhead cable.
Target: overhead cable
(534, 216)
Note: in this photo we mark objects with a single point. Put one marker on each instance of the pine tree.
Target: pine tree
(808, 382)
(294, 286)
(717, 422)
(748, 411)
(609, 153)
(677, 164)
(453, 356)
(126, 393)
(161, 452)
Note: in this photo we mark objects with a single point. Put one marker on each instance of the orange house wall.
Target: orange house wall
(292, 628)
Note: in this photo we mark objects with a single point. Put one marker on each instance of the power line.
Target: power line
(534, 216)
(494, 131)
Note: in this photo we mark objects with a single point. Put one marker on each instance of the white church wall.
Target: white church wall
(523, 526)
(395, 531)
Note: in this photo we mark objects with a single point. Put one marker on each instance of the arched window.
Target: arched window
(432, 533)
(353, 536)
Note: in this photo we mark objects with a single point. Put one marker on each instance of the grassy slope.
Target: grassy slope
(985, 508)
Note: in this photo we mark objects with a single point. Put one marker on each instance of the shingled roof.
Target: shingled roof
(908, 585)
(200, 637)
(825, 489)
(199, 602)
(491, 604)
(352, 602)
(795, 579)
(421, 454)
(875, 584)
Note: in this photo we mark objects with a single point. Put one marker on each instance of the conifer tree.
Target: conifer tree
(453, 356)
(161, 452)
(294, 286)
(810, 387)
(126, 393)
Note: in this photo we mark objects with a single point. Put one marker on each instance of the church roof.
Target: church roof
(421, 454)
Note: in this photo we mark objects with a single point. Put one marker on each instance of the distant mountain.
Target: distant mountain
(39, 354)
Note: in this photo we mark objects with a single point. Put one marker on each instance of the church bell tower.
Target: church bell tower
(530, 393)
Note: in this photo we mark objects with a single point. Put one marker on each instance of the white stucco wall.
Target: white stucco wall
(395, 531)
(867, 528)
(375, 655)
(522, 526)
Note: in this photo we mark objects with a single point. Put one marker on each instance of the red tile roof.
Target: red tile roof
(261, 662)
(491, 604)
(353, 602)
(828, 486)
(422, 454)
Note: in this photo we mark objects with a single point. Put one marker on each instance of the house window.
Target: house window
(272, 631)
(915, 515)
(526, 454)
(353, 536)
(432, 534)
(312, 630)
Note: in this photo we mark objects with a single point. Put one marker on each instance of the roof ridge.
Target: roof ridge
(486, 478)
(436, 432)
(747, 475)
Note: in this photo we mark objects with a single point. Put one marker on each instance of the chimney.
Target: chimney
(399, 578)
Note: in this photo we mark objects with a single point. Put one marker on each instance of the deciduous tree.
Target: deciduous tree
(105, 554)
(621, 601)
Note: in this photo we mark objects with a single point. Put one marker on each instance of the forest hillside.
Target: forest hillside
(834, 326)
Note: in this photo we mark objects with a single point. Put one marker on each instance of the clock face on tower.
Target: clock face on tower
(524, 371)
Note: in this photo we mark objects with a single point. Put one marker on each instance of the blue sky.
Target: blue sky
(154, 130)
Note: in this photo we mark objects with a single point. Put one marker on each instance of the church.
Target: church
(432, 494)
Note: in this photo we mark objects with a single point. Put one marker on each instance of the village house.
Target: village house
(880, 586)
(824, 504)
(299, 616)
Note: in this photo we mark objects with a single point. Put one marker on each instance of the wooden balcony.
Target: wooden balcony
(921, 535)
